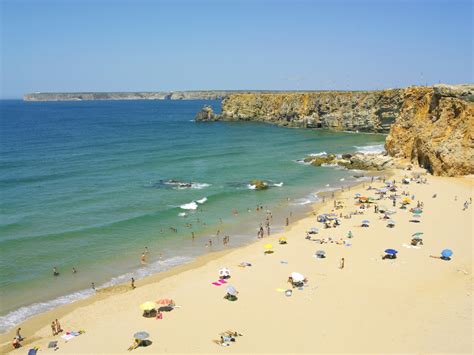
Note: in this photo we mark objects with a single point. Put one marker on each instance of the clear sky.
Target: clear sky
(145, 45)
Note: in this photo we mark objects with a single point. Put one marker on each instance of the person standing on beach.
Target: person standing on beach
(133, 283)
(341, 264)
(53, 328)
(192, 236)
(287, 222)
(18, 335)
(58, 327)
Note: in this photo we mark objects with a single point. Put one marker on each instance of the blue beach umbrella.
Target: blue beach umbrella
(365, 221)
(391, 251)
(446, 253)
(417, 210)
(417, 234)
(357, 195)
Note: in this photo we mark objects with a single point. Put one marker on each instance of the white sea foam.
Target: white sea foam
(182, 214)
(202, 200)
(189, 206)
(199, 185)
(251, 187)
(280, 184)
(302, 162)
(320, 154)
(371, 149)
(14, 318)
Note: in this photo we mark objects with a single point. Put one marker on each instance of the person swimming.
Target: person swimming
(55, 272)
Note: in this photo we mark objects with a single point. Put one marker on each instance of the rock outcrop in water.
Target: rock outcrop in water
(435, 128)
(358, 161)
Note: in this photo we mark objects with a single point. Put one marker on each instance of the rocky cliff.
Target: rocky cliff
(435, 128)
(429, 125)
(372, 111)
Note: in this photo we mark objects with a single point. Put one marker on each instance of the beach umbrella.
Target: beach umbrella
(141, 335)
(224, 272)
(390, 212)
(282, 239)
(417, 210)
(446, 253)
(147, 306)
(231, 290)
(320, 253)
(417, 234)
(383, 190)
(391, 223)
(357, 195)
(391, 251)
(416, 238)
(268, 246)
(406, 200)
(165, 301)
(383, 208)
(313, 230)
(297, 277)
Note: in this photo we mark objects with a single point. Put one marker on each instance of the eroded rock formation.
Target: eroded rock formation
(435, 128)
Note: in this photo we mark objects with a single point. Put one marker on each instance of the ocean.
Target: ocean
(88, 185)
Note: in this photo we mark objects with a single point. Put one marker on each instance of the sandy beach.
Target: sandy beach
(412, 304)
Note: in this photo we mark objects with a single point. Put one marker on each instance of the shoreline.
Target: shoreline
(37, 324)
(37, 321)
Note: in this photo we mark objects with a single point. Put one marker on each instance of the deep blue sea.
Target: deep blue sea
(90, 184)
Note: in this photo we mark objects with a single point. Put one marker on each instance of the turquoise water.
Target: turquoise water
(83, 184)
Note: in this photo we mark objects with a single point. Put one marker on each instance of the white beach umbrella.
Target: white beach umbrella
(224, 272)
(297, 277)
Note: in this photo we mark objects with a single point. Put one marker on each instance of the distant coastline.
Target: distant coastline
(145, 95)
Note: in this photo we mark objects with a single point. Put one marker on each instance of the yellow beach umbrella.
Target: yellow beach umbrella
(282, 239)
(147, 306)
(406, 200)
(268, 246)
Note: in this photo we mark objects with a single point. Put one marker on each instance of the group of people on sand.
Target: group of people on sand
(16, 343)
(56, 327)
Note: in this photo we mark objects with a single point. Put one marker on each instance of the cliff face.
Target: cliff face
(432, 126)
(435, 128)
(372, 111)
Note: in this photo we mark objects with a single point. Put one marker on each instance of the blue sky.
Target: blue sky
(144, 45)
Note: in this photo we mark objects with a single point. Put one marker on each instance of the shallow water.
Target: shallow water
(87, 185)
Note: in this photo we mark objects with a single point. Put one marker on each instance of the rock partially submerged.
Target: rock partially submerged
(359, 161)
(259, 184)
(206, 114)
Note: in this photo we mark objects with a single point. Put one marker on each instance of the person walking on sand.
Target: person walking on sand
(133, 283)
(53, 328)
(341, 264)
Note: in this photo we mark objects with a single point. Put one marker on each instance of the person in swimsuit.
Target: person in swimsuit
(55, 272)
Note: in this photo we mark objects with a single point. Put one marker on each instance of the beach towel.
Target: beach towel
(219, 283)
(52, 344)
(67, 336)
